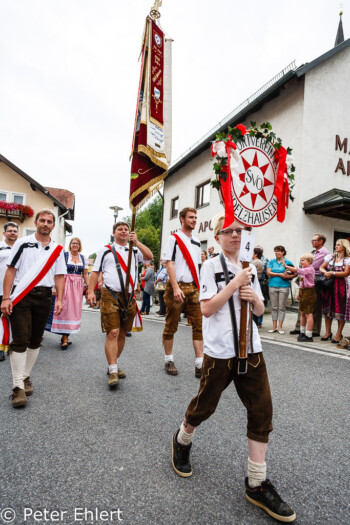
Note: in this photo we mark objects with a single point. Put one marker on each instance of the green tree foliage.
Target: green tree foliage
(147, 226)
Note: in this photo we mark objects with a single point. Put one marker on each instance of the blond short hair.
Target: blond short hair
(307, 256)
(217, 223)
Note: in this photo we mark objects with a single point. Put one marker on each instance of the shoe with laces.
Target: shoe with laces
(28, 387)
(170, 368)
(113, 379)
(267, 498)
(18, 396)
(181, 457)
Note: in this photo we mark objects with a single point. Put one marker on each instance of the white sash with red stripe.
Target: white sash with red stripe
(187, 256)
(29, 280)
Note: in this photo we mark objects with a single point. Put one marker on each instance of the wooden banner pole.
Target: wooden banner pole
(127, 279)
(243, 328)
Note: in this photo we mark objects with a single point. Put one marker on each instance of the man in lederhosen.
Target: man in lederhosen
(11, 234)
(183, 256)
(115, 321)
(40, 257)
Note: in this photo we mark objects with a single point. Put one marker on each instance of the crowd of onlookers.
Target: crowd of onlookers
(323, 281)
(321, 277)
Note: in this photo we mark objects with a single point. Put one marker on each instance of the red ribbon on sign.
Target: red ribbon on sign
(281, 187)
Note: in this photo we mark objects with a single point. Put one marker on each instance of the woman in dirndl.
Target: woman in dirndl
(335, 303)
(69, 320)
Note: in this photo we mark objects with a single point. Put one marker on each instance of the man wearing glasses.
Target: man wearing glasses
(319, 252)
(220, 369)
(11, 234)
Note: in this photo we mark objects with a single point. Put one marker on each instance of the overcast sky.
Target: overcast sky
(69, 79)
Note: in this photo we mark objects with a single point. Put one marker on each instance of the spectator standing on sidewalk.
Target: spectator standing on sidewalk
(257, 254)
(319, 252)
(306, 296)
(160, 284)
(336, 266)
(148, 290)
(279, 286)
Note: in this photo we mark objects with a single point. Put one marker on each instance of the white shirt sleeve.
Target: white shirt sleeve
(86, 266)
(139, 256)
(328, 257)
(96, 266)
(168, 254)
(208, 286)
(60, 265)
(13, 253)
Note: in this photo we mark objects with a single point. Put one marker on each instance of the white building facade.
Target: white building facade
(308, 109)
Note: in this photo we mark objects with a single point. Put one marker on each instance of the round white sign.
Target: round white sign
(253, 198)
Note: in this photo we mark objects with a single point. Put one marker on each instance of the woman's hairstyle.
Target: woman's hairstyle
(346, 245)
(75, 239)
(307, 256)
(258, 252)
(205, 253)
(280, 248)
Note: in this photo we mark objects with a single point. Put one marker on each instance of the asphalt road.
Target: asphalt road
(77, 446)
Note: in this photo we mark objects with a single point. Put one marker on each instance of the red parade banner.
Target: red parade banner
(149, 162)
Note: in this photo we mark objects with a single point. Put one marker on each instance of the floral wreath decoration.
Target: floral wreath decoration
(224, 148)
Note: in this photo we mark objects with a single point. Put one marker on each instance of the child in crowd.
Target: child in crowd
(220, 368)
(307, 295)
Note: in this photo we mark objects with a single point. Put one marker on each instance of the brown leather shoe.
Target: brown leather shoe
(19, 398)
(121, 373)
(113, 379)
(170, 368)
(198, 372)
(28, 387)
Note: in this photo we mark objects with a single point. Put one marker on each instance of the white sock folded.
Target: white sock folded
(183, 437)
(256, 473)
(32, 355)
(302, 329)
(199, 362)
(18, 363)
(168, 358)
(308, 333)
(113, 369)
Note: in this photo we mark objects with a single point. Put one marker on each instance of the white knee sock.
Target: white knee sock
(32, 354)
(18, 363)
(256, 473)
(113, 369)
(168, 358)
(199, 362)
(183, 437)
(302, 329)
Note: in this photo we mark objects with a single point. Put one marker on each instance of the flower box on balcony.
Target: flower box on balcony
(12, 210)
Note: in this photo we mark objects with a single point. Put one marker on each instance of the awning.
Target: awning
(334, 203)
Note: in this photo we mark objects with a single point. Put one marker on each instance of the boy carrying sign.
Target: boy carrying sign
(220, 369)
